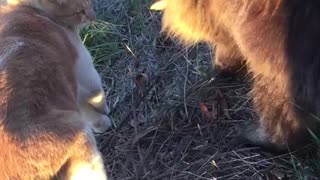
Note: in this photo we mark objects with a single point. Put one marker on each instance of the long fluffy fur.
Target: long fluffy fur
(279, 42)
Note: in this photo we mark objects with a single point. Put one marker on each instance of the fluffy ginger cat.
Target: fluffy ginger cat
(278, 40)
(43, 131)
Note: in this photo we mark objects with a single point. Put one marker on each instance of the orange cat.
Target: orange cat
(279, 42)
(43, 131)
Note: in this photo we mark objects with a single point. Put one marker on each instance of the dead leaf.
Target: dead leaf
(141, 80)
(221, 106)
(206, 114)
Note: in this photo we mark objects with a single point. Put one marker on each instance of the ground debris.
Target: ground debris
(174, 118)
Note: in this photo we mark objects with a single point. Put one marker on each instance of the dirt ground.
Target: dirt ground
(173, 117)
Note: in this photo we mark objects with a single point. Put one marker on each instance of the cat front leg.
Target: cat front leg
(84, 162)
(228, 59)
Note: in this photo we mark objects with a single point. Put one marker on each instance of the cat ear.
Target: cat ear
(159, 5)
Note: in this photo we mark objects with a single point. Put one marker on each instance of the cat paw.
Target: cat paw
(253, 135)
(102, 124)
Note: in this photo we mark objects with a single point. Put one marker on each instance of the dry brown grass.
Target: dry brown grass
(174, 119)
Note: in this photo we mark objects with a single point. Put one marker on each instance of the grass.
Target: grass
(315, 164)
(99, 39)
(173, 118)
(136, 6)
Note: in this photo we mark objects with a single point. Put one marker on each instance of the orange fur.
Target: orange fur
(43, 134)
(279, 42)
(199, 21)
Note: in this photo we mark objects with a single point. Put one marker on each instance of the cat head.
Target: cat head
(73, 13)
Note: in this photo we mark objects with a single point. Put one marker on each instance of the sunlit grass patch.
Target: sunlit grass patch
(101, 40)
